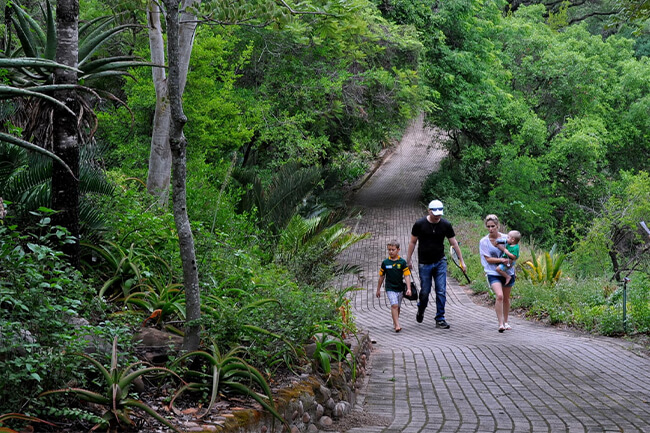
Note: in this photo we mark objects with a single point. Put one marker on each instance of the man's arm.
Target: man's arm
(412, 242)
(454, 243)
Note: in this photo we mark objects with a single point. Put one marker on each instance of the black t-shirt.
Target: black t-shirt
(431, 239)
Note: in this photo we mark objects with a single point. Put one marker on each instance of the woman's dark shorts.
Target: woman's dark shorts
(494, 278)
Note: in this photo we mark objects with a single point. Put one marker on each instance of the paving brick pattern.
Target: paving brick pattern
(470, 378)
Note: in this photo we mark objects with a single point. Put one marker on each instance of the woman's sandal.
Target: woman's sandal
(506, 326)
(502, 328)
(398, 329)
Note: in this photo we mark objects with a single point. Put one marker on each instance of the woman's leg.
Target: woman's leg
(497, 288)
(506, 302)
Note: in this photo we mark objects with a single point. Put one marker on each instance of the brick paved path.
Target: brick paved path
(470, 378)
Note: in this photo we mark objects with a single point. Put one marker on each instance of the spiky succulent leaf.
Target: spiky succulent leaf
(90, 44)
(50, 41)
(140, 405)
(84, 394)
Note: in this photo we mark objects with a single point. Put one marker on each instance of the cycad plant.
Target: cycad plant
(544, 270)
(309, 247)
(25, 182)
(277, 202)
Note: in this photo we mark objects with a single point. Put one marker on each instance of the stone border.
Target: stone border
(308, 404)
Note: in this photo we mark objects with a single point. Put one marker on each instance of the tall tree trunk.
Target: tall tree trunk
(160, 162)
(65, 188)
(178, 145)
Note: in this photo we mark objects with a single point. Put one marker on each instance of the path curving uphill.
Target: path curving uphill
(470, 378)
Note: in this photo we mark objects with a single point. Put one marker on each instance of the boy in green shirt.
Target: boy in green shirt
(510, 248)
(393, 269)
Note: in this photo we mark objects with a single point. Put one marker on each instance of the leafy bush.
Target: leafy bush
(639, 305)
(40, 298)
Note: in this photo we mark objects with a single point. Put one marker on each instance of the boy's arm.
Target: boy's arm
(407, 278)
(379, 283)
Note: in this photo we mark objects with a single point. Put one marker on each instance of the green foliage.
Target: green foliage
(639, 305)
(231, 321)
(220, 116)
(115, 396)
(344, 82)
(122, 268)
(278, 201)
(523, 195)
(553, 115)
(227, 374)
(614, 239)
(456, 186)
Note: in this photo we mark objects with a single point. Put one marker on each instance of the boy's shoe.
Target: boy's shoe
(419, 317)
(442, 324)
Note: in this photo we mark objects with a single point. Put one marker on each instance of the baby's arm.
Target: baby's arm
(379, 283)
(511, 256)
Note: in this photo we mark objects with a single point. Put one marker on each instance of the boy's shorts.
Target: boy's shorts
(395, 298)
(503, 267)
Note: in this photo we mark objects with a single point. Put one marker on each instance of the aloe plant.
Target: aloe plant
(544, 272)
(122, 268)
(330, 348)
(38, 43)
(116, 398)
(158, 300)
(227, 374)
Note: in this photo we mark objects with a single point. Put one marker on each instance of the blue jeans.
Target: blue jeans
(436, 272)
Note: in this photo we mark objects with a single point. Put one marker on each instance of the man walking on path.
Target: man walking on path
(431, 232)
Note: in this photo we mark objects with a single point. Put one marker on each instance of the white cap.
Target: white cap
(436, 207)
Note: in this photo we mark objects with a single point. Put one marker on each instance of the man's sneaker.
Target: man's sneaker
(419, 317)
(442, 324)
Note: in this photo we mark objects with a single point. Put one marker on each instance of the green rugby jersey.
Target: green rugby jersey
(394, 270)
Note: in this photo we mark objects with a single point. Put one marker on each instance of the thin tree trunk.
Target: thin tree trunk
(65, 188)
(160, 157)
(178, 145)
(160, 154)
